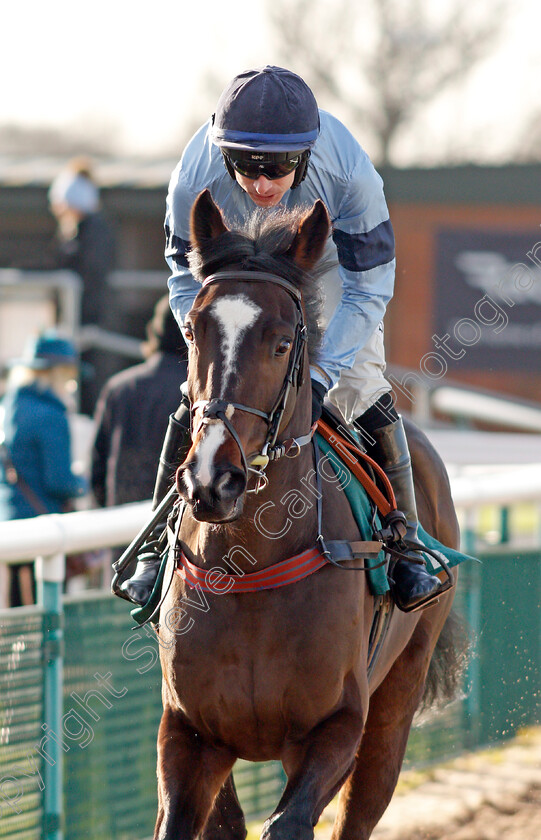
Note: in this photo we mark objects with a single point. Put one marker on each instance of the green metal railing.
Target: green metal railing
(112, 689)
(21, 717)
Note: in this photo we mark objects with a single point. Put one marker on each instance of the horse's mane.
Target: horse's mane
(261, 245)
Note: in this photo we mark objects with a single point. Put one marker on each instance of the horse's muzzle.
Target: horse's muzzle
(218, 500)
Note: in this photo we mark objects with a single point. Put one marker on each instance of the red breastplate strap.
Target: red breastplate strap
(281, 574)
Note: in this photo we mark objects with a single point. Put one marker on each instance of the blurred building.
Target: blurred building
(467, 304)
(467, 301)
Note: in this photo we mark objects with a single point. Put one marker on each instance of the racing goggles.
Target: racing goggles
(272, 165)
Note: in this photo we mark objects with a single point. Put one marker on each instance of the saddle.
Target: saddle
(370, 493)
(371, 498)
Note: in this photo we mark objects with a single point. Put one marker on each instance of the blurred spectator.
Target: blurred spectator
(35, 444)
(85, 245)
(132, 415)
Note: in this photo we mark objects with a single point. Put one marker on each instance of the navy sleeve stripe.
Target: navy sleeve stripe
(176, 248)
(362, 251)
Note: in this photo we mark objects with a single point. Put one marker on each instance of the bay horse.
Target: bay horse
(279, 673)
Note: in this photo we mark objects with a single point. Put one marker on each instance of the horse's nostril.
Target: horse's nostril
(184, 483)
(230, 485)
(227, 485)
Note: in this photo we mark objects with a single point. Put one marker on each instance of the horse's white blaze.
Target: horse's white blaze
(235, 314)
(207, 449)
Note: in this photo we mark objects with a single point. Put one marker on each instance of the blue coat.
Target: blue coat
(38, 439)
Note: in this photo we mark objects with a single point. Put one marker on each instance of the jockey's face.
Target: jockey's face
(263, 191)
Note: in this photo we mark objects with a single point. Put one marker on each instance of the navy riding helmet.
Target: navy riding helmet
(265, 123)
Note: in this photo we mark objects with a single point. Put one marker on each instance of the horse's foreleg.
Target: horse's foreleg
(226, 820)
(316, 769)
(190, 774)
(369, 789)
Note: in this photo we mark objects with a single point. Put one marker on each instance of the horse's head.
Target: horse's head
(247, 348)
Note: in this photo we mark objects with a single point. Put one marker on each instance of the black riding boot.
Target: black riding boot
(175, 448)
(412, 586)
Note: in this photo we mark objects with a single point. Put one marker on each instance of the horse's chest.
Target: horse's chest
(269, 665)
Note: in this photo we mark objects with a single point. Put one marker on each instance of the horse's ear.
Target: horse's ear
(206, 220)
(309, 243)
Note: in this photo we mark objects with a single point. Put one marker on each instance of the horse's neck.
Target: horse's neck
(275, 524)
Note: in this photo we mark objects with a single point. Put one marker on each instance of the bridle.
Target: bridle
(219, 409)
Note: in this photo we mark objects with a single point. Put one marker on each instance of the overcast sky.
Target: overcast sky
(138, 69)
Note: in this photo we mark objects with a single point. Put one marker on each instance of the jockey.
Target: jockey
(268, 145)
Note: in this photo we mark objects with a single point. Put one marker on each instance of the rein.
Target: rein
(219, 409)
(385, 503)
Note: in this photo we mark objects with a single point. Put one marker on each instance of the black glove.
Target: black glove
(319, 392)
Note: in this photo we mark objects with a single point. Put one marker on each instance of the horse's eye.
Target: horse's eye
(188, 333)
(283, 346)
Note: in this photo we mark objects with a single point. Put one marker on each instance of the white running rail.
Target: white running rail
(45, 536)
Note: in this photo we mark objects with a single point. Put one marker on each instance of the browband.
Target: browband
(255, 276)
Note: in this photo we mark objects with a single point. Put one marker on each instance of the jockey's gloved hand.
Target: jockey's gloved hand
(319, 392)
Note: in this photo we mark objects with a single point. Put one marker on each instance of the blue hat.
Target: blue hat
(48, 350)
(76, 190)
(268, 108)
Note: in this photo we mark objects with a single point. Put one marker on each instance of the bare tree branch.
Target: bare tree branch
(384, 61)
